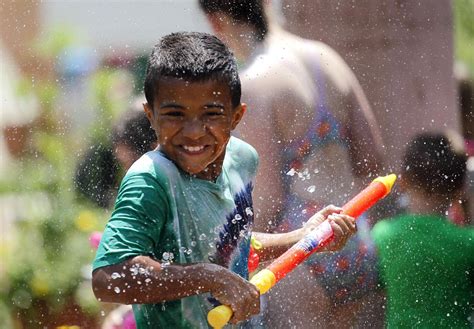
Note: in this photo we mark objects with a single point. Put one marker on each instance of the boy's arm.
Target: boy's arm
(142, 280)
(273, 245)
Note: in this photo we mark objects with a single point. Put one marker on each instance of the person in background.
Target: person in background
(319, 144)
(103, 165)
(426, 262)
(132, 136)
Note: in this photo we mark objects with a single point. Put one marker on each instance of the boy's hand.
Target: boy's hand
(320, 217)
(237, 293)
(343, 226)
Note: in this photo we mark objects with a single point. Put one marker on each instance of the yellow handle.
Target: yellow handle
(219, 316)
(388, 181)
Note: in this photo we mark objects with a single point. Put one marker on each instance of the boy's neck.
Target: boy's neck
(245, 41)
(421, 202)
(213, 171)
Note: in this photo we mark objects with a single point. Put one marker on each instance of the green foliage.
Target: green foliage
(463, 12)
(46, 262)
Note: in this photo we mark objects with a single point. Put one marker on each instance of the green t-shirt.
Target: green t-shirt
(427, 266)
(163, 212)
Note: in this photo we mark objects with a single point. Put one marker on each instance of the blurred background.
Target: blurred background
(70, 70)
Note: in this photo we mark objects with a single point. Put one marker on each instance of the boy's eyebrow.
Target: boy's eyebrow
(215, 104)
(171, 104)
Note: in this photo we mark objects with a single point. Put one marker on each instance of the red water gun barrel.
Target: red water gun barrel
(319, 237)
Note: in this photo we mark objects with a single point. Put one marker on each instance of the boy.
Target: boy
(426, 262)
(182, 222)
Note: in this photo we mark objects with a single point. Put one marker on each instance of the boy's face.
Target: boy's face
(193, 121)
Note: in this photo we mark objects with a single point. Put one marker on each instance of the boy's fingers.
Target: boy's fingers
(342, 227)
(248, 305)
(331, 209)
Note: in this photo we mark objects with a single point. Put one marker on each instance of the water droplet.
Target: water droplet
(193, 243)
(311, 189)
(202, 237)
(134, 270)
(115, 275)
(291, 172)
(248, 211)
(117, 290)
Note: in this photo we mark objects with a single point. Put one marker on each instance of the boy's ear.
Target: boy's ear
(148, 111)
(239, 112)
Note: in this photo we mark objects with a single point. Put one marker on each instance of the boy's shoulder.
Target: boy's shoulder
(153, 164)
(398, 226)
(241, 154)
(388, 227)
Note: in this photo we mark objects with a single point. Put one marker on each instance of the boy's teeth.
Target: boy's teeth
(193, 148)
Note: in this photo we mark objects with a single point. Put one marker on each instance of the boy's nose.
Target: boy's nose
(194, 129)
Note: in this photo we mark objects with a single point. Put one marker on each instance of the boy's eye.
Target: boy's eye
(173, 114)
(215, 112)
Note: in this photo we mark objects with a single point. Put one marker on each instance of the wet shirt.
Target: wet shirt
(427, 266)
(173, 217)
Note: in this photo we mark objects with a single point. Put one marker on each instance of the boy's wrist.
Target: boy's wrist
(208, 275)
(296, 235)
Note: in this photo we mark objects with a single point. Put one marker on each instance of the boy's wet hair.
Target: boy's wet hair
(193, 57)
(433, 165)
(250, 12)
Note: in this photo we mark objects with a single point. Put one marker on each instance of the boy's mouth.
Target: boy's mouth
(194, 149)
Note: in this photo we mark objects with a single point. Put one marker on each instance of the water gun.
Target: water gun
(319, 237)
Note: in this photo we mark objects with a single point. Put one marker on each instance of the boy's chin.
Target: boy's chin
(203, 173)
(194, 170)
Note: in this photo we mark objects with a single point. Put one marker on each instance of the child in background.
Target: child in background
(104, 164)
(132, 136)
(182, 225)
(426, 262)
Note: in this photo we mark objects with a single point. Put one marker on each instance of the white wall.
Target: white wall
(108, 25)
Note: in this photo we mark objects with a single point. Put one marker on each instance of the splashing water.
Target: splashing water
(115, 275)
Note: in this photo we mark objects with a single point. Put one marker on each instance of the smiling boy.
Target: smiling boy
(181, 229)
